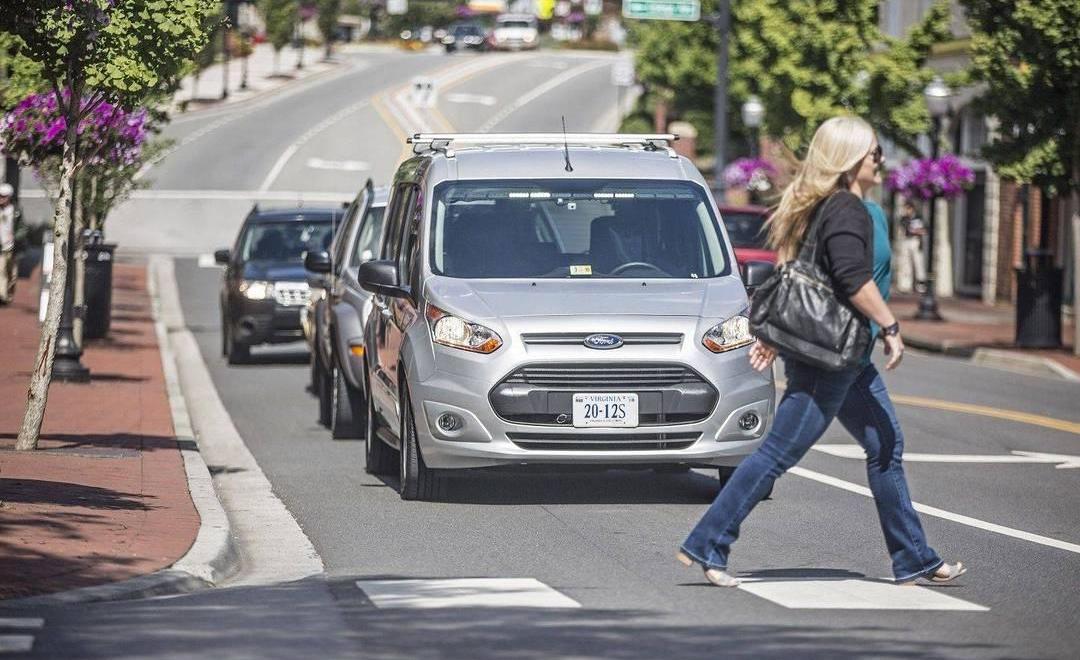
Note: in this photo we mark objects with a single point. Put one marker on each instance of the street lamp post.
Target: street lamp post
(753, 112)
(67, 365)
(937, 95)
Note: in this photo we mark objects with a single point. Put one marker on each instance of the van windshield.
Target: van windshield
(575, 229)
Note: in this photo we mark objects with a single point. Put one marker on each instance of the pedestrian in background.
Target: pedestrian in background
(841, 166)
(911, 245)
(8, 262)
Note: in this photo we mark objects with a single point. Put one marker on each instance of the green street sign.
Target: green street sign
(662, 10)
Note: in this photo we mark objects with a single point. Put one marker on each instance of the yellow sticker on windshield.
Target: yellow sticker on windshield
(581, 270)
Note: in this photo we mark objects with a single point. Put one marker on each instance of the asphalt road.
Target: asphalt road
(605, 540)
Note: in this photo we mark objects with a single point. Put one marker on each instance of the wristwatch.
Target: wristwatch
(891, 330)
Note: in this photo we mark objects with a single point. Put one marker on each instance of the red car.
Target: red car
(746, 229)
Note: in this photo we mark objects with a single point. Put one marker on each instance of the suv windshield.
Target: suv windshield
(514, 24)
(584, 228)
(285, 241)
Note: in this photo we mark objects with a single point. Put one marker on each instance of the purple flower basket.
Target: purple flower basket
(750, 173)
(926, 178)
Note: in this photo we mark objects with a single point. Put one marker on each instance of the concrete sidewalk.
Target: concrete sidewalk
(106, 497)
(985, 333)
(263, 78)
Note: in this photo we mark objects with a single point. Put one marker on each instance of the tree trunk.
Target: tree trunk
(277, 60)
(38, 393)
(79, 201)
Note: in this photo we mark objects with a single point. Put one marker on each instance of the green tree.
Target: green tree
(1027, 54)
(119, 50)
(806, 59)
(329, 12)
(280, 17)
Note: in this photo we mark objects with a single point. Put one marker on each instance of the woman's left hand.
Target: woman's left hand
(762, 356)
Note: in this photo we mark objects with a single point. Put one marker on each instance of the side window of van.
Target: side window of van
(411, 236)
(395, 217)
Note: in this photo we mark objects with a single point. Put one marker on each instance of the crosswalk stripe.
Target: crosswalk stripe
(16, 643)
(853, 594)
(21, 622)
(463, 592)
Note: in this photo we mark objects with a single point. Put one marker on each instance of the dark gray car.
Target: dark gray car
(337, 355)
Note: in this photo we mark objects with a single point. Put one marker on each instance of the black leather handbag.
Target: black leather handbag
(798, 312)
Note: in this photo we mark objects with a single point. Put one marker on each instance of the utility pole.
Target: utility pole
(721, 20)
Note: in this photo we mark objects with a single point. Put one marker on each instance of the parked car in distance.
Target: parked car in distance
(337, 356)
(515, 32)
(746, 230)
(465, 36)
(265, 286)
(573, 300)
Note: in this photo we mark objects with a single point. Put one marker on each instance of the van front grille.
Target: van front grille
(603, 441)
(616, 376)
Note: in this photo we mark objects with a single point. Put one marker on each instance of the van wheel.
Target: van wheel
(418, 481)
(346, 408)
(379, 457)
(725, 472)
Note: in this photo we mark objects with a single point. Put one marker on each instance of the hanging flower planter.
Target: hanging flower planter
(926, 178)
(752, 174)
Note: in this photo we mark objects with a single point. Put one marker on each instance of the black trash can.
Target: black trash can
(98, 289)
(1039, 289)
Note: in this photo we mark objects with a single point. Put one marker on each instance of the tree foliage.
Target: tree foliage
(807, 60)
(280, 17)
(329, 12)
(19, 75)
(1027, 54)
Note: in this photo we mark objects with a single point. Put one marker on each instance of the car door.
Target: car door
(382, 362)
(403, 310)
(324, 309)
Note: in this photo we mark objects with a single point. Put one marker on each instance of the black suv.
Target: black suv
(265, 284)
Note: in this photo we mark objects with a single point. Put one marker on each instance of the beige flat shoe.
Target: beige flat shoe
(948, 572)
(715, 576)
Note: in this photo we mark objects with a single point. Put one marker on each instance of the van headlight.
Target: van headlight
(256, 289)
(729, 335)
(456, 332)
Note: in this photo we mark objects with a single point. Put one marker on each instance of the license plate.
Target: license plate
(606, 410)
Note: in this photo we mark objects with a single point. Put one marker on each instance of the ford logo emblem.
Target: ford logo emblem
(603, 342)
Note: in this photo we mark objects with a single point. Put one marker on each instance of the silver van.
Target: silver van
(555, 299)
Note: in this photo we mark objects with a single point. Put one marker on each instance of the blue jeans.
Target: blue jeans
(858, 398)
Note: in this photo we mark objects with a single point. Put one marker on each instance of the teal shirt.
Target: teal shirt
(882, 259)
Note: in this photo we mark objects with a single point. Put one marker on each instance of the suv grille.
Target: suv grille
(620, 376)
(603, 441)
(291, 294)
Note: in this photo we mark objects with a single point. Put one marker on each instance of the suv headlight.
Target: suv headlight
(456, 332)
(256, 289)
(729, 335)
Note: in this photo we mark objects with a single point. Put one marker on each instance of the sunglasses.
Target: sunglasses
(877, 155)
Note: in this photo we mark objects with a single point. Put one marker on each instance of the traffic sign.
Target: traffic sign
(662, 10)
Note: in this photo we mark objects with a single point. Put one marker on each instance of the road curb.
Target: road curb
(213, 556)
(1028, 363)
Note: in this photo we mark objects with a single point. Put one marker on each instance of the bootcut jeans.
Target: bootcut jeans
(858, 398)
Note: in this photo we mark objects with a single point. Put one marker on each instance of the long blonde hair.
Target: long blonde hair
(839, 145)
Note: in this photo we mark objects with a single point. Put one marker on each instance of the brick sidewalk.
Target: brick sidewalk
(106, 497)
(970, 325)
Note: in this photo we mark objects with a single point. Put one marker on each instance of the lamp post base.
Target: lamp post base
(928, 307)
(66, 365)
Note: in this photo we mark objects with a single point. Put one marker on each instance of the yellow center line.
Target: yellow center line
(974, 409)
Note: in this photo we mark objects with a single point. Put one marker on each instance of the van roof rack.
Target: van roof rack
(444, 141)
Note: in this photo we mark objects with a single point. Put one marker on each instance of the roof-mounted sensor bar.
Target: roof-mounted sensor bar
(446, 141)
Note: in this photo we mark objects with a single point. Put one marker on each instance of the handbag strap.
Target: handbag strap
(810, 242)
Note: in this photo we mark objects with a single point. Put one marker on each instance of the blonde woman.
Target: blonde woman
(841, 166)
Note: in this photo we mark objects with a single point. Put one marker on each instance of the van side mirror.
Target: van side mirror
(222, 256)
(317, 261)
(381, 277)
(755, 273)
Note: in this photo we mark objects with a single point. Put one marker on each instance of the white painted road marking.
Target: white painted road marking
(941, 513)
(207, 261)
(1064, 461)
(460, 97)
(291, 150)
(539, 91)
(345, 165)
(16, 643)
(463, 592)
(21, 622)
(853, 594)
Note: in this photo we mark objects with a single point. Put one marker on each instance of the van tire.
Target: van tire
(418, 481)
